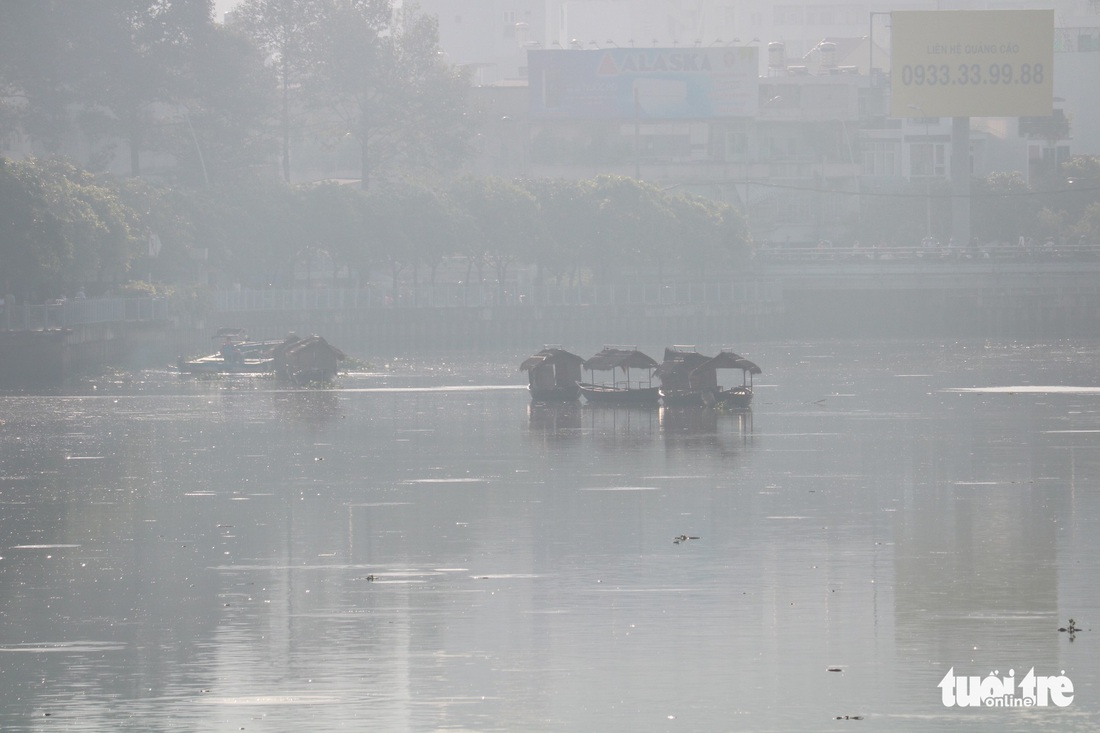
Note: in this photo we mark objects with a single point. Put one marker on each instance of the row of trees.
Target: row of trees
(61, 227)
(1003, 207)
(222, 100)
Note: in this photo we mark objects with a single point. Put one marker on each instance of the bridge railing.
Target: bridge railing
(933, 251)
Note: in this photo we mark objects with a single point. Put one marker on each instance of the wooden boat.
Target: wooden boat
(621, 392)
(553, 374)
(679, 386)
(293, 359)
(739, 396)
(690, 378)
(306, 360)
(220, 364)
(237, 355)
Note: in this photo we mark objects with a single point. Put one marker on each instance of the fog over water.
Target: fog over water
(421, 548)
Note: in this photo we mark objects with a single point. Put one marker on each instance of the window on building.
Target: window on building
(737, 146)
(880, 158)
(787, 15)
(927, 159)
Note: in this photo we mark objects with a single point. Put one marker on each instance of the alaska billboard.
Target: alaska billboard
(971, 63)
(648, 84)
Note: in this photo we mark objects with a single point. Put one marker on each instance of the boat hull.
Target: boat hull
(736, 398)
(216, 364)
(606, 395)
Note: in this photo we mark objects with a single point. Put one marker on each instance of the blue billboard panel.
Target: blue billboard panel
(643, 83)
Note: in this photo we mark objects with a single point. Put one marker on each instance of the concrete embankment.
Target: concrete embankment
(49, 357)
(1032, 301)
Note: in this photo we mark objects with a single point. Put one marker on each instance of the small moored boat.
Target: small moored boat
(553, 374)
(293, 359)
(690, 378)
(236, 355)
(621, 391)
(738, 396)
(307, 360)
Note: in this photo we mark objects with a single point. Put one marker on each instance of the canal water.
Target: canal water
(423, 549)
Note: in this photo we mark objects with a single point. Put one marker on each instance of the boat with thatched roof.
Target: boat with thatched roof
(621, 391)
(738, 396)
(553, 374)
(307, 360)
(690, 378)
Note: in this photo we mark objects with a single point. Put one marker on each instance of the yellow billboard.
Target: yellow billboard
(971, 63)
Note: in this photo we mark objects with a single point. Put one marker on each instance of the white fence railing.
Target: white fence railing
(455, 295)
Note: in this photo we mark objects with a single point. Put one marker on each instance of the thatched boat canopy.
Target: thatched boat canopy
(613, 357)
(294, 347)
(550, 356)
(679, 362)
(730, 360)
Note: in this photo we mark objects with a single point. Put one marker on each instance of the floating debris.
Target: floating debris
(1071, 629)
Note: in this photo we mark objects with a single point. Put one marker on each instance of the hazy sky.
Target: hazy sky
(221, 7)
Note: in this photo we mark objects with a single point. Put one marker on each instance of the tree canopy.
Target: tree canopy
(61, 227)
(159, 85)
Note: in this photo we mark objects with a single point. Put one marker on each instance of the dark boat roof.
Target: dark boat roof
(730, 360)
(680, 360)
(549, 355)
(293, 344)
(619, 356)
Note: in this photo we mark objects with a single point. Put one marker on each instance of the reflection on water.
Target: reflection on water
(554, 419)
(428, 552)
(696, 428)
(308, 405)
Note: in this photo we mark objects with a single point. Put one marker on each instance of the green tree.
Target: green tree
(429, 222)
(61, 228)
(1088, 226)
(566, 228)
(1003, 208)
(706, 237)
(39, 70)
(137, 55)
(503, 217)
(332, 222)
(225, 100)
(158, 75)
(283, 29)
(635, 225)
(380, 77)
